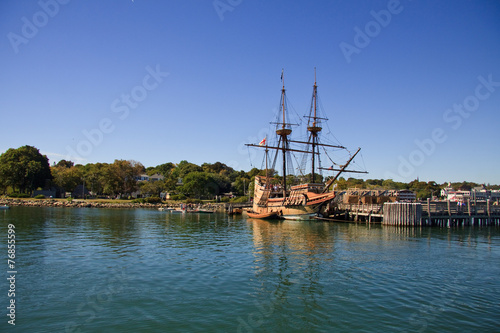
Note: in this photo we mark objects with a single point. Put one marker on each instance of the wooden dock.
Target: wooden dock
(430, 213)
(371, 213)
(449, 214)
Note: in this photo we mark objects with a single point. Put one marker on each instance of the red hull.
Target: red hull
(264, 216)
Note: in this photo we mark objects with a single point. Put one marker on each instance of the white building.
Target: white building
(482, 194)
(478, 193)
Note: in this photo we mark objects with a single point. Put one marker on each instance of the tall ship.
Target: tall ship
(278, 197)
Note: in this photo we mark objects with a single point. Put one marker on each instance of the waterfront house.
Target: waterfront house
(52, 192)
(80, 192)
(156, 177)
(479, 193)
(142, 178)
(406, 195)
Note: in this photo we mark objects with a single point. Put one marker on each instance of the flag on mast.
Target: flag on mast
(263, 142)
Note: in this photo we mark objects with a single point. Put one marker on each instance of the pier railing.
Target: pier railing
(430, 213)
(357, 212)
(457, 208)
(444, 214)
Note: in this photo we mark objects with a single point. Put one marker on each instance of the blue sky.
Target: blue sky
(415, 84)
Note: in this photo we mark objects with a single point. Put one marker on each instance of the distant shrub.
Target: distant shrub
(19, 195)
(40, 196)
(153, 200)
(239, 199)
(178, 197)
(194, 201)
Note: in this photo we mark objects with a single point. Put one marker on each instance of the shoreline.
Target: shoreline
(80, 203)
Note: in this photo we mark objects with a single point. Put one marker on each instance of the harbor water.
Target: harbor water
(140, 270)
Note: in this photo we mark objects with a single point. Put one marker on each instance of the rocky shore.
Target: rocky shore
(96, 204)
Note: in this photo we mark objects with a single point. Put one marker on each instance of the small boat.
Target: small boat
(235, 211)
(263, 216)
(202, 211)
(4, 207)
(165, 209)
(182, 209)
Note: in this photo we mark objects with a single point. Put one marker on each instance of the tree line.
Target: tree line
(25, 169)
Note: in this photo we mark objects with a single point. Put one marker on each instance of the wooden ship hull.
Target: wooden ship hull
(302, 202)
(263, 215)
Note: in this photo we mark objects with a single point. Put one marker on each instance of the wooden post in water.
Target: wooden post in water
(402, 214)
(469, 211)
(429, 211)
(387, 218)
(448, 224)
(399, 217)
(488, 207)
(419, 214)
(475, 208)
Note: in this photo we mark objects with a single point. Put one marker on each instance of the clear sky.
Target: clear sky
(415, 84)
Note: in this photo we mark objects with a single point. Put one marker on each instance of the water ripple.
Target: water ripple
(150, 271)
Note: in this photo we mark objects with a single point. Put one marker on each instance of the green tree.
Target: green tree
(3, 186)
(163, 169)
(241, 185)
(65, 164)
(93, 176)
(184, 168)
(341, 184)
(203, 184)
(389, 184)
(220, 183)
(254, 172)
(374, 183)
(220, 169)
(120, 177)
(24, 169)
(356, 183)
(152, 188)
(67, 177)
(194, 184)
(112, 184)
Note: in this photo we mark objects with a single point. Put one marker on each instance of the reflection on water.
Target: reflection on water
(323, 275)
(93, 270)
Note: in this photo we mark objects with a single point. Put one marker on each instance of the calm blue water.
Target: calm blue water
(96, 270)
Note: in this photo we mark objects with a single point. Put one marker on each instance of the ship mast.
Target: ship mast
(268, 183)
(283, 133)
(314, 129)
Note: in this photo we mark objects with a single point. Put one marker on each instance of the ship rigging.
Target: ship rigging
(295, 201)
